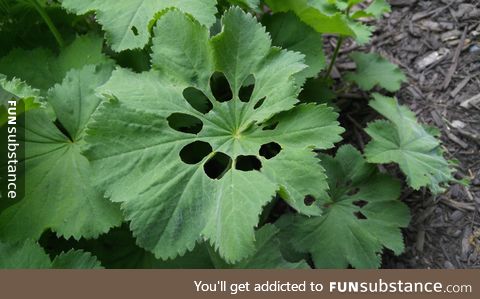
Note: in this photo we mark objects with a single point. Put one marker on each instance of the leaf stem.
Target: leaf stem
(46, 18)
(335, 55)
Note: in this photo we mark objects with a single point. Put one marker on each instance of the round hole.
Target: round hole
(195, 152)
(197, 99)
(220, 87)
(270, 150)
(217, 166)
(309, 200)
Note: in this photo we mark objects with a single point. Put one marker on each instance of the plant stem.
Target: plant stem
(46, 18)
(335, 55)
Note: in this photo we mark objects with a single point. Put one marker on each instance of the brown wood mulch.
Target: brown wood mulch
(437, 44)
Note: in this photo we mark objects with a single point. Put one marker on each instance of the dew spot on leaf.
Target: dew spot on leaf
(217, 166)
(270, 150)
(195, 152)
(221, 89)
(185, 123)
(309, 200)
(248, 163)
(197, 99)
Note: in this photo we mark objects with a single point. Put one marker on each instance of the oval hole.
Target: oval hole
(246, 91)
(185, 123)
(194, 152)
(309, 200)
(248, 163)
(259, 103)
(197, 99)
(360, 203)
(270, 150)
(220, 87)
(217, 166)
(360, 215)
(134, 30)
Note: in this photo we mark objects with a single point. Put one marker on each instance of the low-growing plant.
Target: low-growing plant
(199, 134)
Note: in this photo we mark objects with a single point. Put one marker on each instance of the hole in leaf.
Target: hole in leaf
(270, 150)
(197, 99)
(220, 87)
(245, 93)
(194, 152)
(185, 123)
(359, 215)
(62, 129)
(360, 203)
(353, 191)
(217, 166)
(248, 163)
(309, 200)
(259, 103)
(134, 30)
(270, 127)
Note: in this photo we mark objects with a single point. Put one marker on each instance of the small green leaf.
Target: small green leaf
(127, 23)
(373, 70)
(30, 255)
(362, 217)
(378, 8)
(402, 140)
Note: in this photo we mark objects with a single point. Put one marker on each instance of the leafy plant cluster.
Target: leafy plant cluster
(170, 134)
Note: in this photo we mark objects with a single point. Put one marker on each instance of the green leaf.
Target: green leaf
(30, 255)
(127, 23)
(267, 253)
(157, 190)
(402, 140)
(322, 17)
(373, 70)
(19, 91)
(60, 191)
(378, 8)
(290, 33)
(362, 217)
(252, 4)
(41, 68)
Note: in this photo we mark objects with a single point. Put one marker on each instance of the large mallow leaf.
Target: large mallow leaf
(402, 140)
(127, 23)
(194, 148)
(59, 192)
(30, 255)
(362, 216)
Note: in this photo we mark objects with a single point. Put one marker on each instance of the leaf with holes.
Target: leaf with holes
(181, 183)
(402, 140)
(41, 68)
(30, 255)
(60, 193)
(127, 23)
(362, 217)
(374, 70)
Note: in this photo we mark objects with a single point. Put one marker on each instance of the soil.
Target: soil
(445, 34)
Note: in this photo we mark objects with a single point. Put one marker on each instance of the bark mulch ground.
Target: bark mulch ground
(437, 44)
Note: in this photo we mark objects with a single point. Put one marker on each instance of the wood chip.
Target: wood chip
(471, 101)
